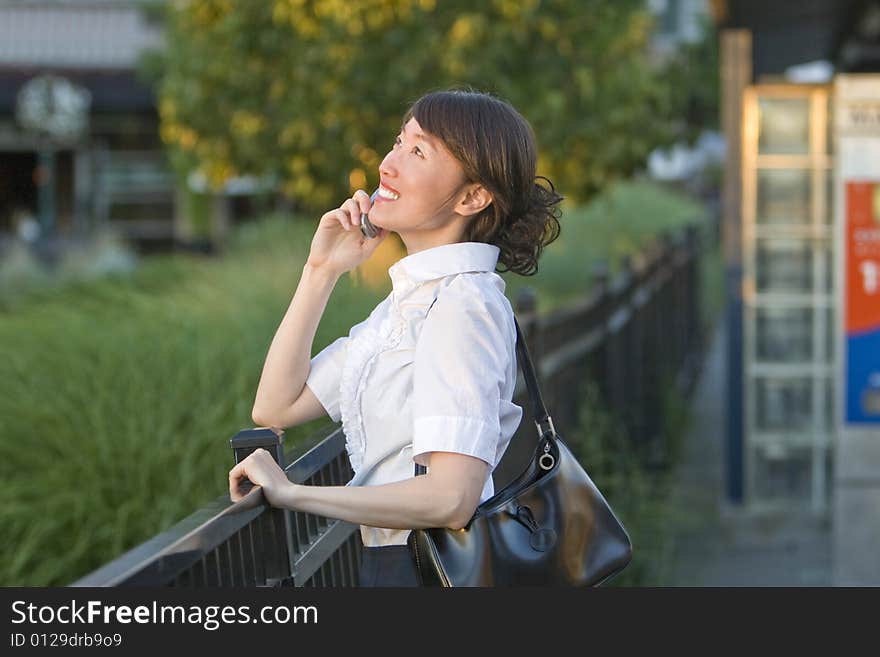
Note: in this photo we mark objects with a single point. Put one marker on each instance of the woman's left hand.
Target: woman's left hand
(262, 470)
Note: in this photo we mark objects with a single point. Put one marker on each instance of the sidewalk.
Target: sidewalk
(717, 544)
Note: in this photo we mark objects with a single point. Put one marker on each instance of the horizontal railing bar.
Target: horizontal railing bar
(193, 536)
(320, 550)
(573, 351)
(566, 314)
(619, 319)
(177, 548)
(305, 467)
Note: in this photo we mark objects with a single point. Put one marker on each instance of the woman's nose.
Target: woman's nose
(387, 167)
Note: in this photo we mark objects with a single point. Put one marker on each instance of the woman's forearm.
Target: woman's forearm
(409, 504)
(288, 360)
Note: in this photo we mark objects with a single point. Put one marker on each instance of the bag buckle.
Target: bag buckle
(546, 462)
(551, 429)
(540, 538)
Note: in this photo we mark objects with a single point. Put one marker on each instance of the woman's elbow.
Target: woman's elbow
(457, 523)
(257, 417)
(460, 514)
(262, 419)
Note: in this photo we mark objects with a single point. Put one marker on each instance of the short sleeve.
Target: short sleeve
(325, 374)
(460, 367)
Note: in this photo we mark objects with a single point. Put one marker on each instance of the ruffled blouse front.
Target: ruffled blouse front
(361, 357)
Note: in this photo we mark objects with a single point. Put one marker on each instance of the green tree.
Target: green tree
(691, 78)
(312, 91)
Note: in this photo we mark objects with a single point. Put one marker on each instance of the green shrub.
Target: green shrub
(638, 493)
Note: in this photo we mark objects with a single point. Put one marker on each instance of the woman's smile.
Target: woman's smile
(387, 193)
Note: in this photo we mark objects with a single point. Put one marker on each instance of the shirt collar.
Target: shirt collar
(444, 260)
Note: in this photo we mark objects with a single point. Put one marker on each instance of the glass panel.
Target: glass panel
(783, 404)
(783, 126)
(827, 455)
(784, 265)
(829, 334)
(783, 196)
(784, 334)
(829, 420)
(829, 125)
(828, 218)
(828, 257)
(783, 472)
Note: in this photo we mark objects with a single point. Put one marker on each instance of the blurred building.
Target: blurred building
(801, 116)
(79, 141)
(679, 21)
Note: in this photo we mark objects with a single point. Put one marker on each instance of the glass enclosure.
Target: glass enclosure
(788, 295)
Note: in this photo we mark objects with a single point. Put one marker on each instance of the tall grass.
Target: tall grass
(638, 494)
(118, 395)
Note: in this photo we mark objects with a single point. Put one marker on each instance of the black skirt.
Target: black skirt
(388, 565)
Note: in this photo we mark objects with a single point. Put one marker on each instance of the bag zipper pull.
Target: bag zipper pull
(541, 539)
(524, 515)
(546, 462)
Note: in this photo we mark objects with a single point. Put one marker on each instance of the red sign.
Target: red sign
(862, 257)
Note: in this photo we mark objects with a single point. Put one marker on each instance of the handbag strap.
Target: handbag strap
(539, 411)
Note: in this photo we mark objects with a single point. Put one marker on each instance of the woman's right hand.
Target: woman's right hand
(338, 244)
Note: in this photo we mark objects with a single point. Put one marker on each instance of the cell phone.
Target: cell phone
(368, 230)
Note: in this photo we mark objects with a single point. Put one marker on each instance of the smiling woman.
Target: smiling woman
(428, 378)
(483, 179)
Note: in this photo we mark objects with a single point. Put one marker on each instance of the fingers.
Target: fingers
(239, 482)
(236, 473)
(353, 212)
(348, 215)
(337, 217)
(234, 493)
(363, 201)
(235, 476)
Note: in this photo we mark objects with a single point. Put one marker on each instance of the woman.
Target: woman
(429, 376)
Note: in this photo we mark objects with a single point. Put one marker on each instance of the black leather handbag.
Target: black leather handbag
(549, 527)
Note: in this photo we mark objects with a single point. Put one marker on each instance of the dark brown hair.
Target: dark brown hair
(496, 147)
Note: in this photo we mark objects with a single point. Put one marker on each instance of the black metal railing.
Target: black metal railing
(635, 334)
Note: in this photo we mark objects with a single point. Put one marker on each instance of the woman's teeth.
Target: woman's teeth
(388, 194)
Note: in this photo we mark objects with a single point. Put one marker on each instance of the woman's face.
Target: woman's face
(433, 200)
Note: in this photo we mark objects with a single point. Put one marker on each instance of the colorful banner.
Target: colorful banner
(862, 301)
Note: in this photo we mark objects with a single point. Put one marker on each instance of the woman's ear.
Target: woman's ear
(477, 199)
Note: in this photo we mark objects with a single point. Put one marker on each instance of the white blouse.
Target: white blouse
(406, 382)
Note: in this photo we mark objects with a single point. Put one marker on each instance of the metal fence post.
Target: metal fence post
(527, 313)
(278, 531)
(600, 282)
(695, 325)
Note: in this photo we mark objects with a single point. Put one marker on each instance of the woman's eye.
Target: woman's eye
(417, 149)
